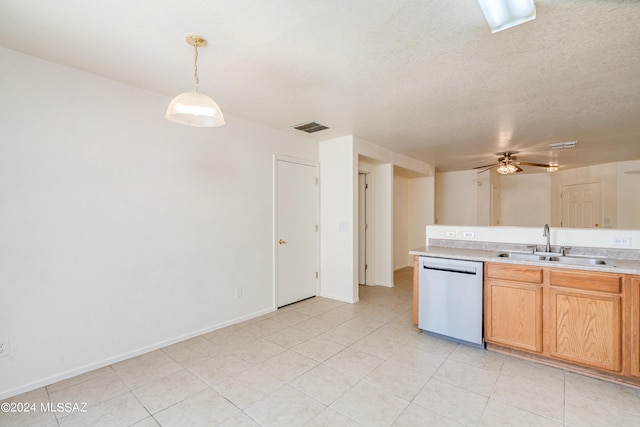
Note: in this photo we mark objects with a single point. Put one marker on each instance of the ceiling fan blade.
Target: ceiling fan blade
(486, 166)
(534, 164)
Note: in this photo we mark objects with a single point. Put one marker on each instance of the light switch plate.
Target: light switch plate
(4, 347)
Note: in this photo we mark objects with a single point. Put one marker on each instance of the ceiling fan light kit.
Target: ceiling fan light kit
(194, 108)
(503, 14)
(508, 168)
(508, 164)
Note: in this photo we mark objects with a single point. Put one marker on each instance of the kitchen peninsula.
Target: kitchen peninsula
(580, 311)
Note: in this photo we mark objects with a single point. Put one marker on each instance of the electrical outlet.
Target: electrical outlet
(238, 291)
(450, 234)
(4, 347)
(469, 234)
(621, 240)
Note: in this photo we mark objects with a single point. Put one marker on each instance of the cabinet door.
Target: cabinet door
(585, 327)
(635, 326)
(513, 314)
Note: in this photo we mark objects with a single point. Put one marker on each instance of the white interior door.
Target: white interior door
(296, 201)
(581, 205)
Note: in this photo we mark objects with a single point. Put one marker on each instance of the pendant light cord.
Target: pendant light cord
(196, 80)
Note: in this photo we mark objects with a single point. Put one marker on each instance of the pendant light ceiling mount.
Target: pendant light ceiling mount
(195, 41)
(194, 108)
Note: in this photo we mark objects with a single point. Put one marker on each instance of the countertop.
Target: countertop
(622, 266)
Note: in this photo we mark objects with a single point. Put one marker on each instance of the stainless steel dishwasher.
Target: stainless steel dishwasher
(450, 299)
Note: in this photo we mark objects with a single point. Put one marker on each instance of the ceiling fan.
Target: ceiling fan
(508, 164)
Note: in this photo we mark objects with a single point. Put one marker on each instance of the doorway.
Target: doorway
(295, 230)
(494, 215)
(581, 205)
(364, 233)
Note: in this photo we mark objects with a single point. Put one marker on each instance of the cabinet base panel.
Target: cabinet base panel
(594, 373)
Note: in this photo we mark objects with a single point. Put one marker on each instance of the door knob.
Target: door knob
(282, 242)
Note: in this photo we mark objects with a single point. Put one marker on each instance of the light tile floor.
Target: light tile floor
(325, 363)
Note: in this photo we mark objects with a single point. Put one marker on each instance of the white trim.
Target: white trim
(384, 285)
(341, 299)
(370, 178)
(294, 160)
(106, 362)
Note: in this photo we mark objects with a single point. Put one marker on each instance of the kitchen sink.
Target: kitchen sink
(521, 256)
(560, 259)
(578, 260)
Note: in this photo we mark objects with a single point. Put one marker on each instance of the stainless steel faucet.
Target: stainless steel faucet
(546, 233)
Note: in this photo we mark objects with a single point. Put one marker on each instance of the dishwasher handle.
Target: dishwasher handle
(450, 270)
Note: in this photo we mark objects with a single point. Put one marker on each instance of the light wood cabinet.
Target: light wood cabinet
(513, 306)
(581, 320)
(585, 318)
(634, 333)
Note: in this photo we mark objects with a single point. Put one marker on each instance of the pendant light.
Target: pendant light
(194, 108)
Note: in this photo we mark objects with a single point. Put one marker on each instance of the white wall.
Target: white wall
(532, 199)
(628, 194)
(383, 224)
(420, 212)
(340, 161)
(121, 232)
(381, 155)
(606, 174)
(525, 200)
(338, 219)
(483, 198)
(413, 211)
(456, 197)
(572, 237)
(400, 221)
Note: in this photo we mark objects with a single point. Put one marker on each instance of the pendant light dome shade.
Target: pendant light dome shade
(194, 109)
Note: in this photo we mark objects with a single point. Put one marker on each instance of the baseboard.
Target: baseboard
(341, 299)
(4, 394)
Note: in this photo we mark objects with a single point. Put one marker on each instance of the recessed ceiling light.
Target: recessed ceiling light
(561, 145)
(503, 14)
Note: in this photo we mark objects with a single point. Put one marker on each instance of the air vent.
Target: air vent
(310, 127)
(561, 145)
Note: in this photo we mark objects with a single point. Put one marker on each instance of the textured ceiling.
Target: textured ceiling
(423, 78)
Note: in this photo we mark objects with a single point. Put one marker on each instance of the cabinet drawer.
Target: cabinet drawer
(520, 273)
(588, 281)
